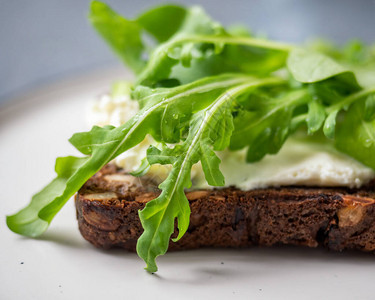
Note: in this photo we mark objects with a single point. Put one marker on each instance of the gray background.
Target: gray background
(45, 40)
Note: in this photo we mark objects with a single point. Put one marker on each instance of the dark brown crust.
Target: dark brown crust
(335, 218)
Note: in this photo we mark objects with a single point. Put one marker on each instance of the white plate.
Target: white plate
(62, 265)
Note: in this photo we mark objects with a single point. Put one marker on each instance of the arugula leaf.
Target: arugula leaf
(103, 144)
(369, 108)
(210, 129)
(122, 35)
(263, 56)
(327, 115)
(125, 36)
(120, 88)
(199, 41)
(265, 129)
(357, 56)
(316, 116)
(143, 168)
(330, 125)
(309, 66)
(329, 91)
(194, 40)
(353, 53)
(355, 135)
(28, 221)
(168, 54)
(162, 22)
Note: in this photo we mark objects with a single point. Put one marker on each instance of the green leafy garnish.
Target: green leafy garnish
(201, 89)
(103, 144)
(210, 129)
(355, 135)
(308, 67)
(267, 126)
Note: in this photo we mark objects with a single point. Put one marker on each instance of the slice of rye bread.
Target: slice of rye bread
(335, 218)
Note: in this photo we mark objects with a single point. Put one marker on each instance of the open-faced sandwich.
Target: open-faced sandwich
(223, 139)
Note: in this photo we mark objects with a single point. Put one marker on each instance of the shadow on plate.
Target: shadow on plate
(65, 238)
(221, 264)
(216, 265)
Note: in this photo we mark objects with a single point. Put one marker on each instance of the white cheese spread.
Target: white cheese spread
(297, 163)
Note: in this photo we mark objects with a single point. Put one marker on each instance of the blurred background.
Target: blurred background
(42, 41)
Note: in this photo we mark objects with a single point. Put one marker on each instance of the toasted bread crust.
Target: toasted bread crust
(335, 218)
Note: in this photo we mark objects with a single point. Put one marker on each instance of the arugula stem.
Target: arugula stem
(350, 99)
(296, 121)
(254, 42)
